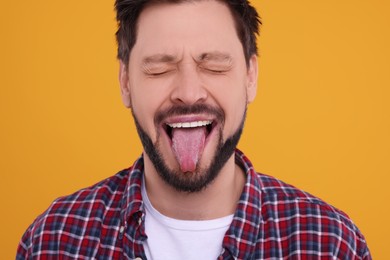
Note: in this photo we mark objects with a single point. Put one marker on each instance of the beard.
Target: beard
(201, 177)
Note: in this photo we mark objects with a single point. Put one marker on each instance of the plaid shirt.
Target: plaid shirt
(273, 220)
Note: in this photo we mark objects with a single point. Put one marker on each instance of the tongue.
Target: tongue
(188, 144)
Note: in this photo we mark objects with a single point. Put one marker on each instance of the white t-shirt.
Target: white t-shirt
(172, 239)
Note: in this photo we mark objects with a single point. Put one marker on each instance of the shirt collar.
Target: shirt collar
(132, 204)
(241, 237)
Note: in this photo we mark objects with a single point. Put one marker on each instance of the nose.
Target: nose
(189, 88)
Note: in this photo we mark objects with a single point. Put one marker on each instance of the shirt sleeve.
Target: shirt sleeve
(24, 247)
(365, 252)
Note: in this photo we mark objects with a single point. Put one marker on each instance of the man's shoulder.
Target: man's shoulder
(98, 198)
(103, 192)
(80, 217)
(292, 215)
(271, 186)
(277, 192)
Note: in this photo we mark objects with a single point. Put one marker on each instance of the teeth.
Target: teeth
(190, 124)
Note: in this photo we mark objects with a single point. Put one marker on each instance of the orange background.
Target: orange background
(320, 120)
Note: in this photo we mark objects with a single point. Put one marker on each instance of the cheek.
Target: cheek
(145, 104)
(237, 111)
(233, 101)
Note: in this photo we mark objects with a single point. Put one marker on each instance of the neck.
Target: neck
(217, 200)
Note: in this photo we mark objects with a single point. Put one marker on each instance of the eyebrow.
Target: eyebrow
(159, 58)
(204, 57)
(215, 56)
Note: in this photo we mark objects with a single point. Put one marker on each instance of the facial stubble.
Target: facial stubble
(202, 177)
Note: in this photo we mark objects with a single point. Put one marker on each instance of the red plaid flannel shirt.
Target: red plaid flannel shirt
(273, 220)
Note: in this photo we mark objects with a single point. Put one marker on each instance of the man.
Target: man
(188, 69)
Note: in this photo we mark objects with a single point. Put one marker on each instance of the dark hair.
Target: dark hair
(245, 15)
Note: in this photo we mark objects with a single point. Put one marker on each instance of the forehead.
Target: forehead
(167, 27)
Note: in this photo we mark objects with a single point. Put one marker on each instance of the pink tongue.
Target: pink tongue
(188, 144)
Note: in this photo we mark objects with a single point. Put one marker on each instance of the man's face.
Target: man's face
(188, 85)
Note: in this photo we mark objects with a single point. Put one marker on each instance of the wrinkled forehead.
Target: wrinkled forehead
(205, 26)
(153, 3)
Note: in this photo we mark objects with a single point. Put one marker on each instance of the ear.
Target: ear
(124, 84)
(252, 79)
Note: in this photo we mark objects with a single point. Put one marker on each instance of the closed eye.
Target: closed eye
(156, 70)
(155, 74)
(216, 71)
(158, 73)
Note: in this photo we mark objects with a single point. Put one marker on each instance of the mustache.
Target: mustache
(179, 110)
